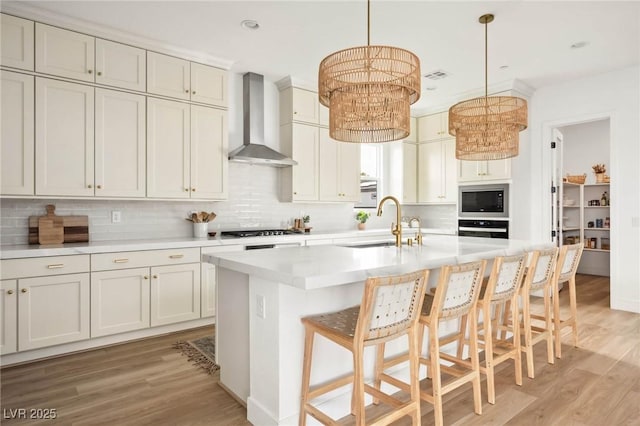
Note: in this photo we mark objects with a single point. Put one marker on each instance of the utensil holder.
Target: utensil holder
(200, 229)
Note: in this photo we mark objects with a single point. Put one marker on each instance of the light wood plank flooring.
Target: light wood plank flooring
(149, 382)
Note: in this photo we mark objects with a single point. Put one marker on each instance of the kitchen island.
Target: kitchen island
(262, 294)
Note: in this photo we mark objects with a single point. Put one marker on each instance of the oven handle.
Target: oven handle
(467, 228)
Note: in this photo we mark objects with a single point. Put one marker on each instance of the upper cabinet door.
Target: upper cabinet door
(409, 172)
(349, 171)
(120, 65)
(17, 134)
(305, 152)
(64, 138)
(168, 157)
(305, 106)
(64, 53)
(450, 171)
(433, 127)
(209, 157)
(168, 76)
(208, 85)
(329, 173)
(120, 144)
(17, 42)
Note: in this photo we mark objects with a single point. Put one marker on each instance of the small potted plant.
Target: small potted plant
(306, 219)
(599, 170)
(362, 217)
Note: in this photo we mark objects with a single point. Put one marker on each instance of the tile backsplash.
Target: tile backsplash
(252, 202)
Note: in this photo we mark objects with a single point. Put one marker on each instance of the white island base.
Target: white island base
(262, 294)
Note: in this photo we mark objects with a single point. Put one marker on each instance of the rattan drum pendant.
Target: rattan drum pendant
(488, 127)
(368, 90)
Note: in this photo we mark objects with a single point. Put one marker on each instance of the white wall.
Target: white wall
(584, 145)
(614, 95)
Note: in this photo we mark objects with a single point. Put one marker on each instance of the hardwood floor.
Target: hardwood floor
(149, 382)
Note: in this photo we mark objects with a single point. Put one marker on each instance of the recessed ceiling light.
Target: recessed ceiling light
(250, 24)
(579, 44)
(504, 67)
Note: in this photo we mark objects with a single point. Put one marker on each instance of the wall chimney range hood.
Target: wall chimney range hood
(253, 150)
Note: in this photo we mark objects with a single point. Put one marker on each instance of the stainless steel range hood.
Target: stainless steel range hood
(253, 149)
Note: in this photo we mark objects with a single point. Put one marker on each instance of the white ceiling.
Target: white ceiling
(532, 38)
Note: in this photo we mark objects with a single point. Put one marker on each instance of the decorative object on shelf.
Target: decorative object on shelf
(604, 201)
(600, 170)
(589, 224)
(201, 223)
(306, 220)
(598, 223)
(607, 222)
(487, 128)
(362, 218)
(368, 90)
(576, 178)
(604, 243)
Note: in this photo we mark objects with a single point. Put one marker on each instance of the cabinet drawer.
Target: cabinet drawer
(138, 259)
(43, 266)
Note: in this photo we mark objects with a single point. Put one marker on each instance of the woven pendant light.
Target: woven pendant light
(368, 90)
(488, 127)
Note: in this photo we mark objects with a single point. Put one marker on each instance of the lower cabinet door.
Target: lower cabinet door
(8, 316)
(119, 301)
(208, 290)
(52, 310)
(175, 293)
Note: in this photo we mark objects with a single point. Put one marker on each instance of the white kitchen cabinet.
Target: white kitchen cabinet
(120, 301)
(120, 139)
(433, 127)
(168, 149)
(339, 166)
(175, 293)
(474, 171)
(208, 280)
(9, 316)
(300, 105)
(437, 172)
(409, 172)
(17, 145)
(209, 153)
(413, 130)
(64, 138)
(16, 49)
(64, 53)
(53, 310)
(120, 65)
(300, 142)
(179, 78)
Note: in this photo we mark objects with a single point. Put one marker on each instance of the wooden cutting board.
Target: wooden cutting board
(52, 229)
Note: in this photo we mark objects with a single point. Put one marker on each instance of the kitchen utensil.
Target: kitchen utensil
(75, 229)
(50, 227)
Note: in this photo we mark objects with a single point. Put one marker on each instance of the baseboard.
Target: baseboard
(626, 305)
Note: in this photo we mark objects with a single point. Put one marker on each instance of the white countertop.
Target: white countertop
(92, 247)
(314, 267)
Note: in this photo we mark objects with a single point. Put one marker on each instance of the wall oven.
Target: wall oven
(483, 228)
(483, 201)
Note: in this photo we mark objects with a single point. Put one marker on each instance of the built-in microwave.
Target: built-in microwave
(483, 201)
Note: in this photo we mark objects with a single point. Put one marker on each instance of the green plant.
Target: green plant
(306, 218)
(362, 216)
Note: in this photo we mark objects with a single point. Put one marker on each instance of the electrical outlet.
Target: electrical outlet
(116, 216)
(260, 307)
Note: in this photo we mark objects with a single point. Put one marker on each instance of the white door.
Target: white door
(208, 85)
(168, 156)
(557, 212)
(17, 144)
(449, 172)
(175, 293)
(306, 172)
(430, 172)
(52, 310)
(349, 171)
(16, 48)
(64, 53)
(410, 172)
(120, 141)
(121, 65)
(9, 316)
(64, 138)
(168, 76)
(119, 301)
(209, 156)
(329, 173)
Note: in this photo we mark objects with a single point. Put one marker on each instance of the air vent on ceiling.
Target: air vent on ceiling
(437, 75)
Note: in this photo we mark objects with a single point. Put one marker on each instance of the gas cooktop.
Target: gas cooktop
(255, 233)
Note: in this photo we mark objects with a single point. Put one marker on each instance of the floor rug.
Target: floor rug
(200, 352)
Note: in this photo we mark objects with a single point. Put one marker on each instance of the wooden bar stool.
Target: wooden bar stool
(456, 295)
(499, 294)
(390, 309)
(566, 267)
(539, 278)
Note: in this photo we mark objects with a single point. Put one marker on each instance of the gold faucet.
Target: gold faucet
(396, 229)
(418, 237)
